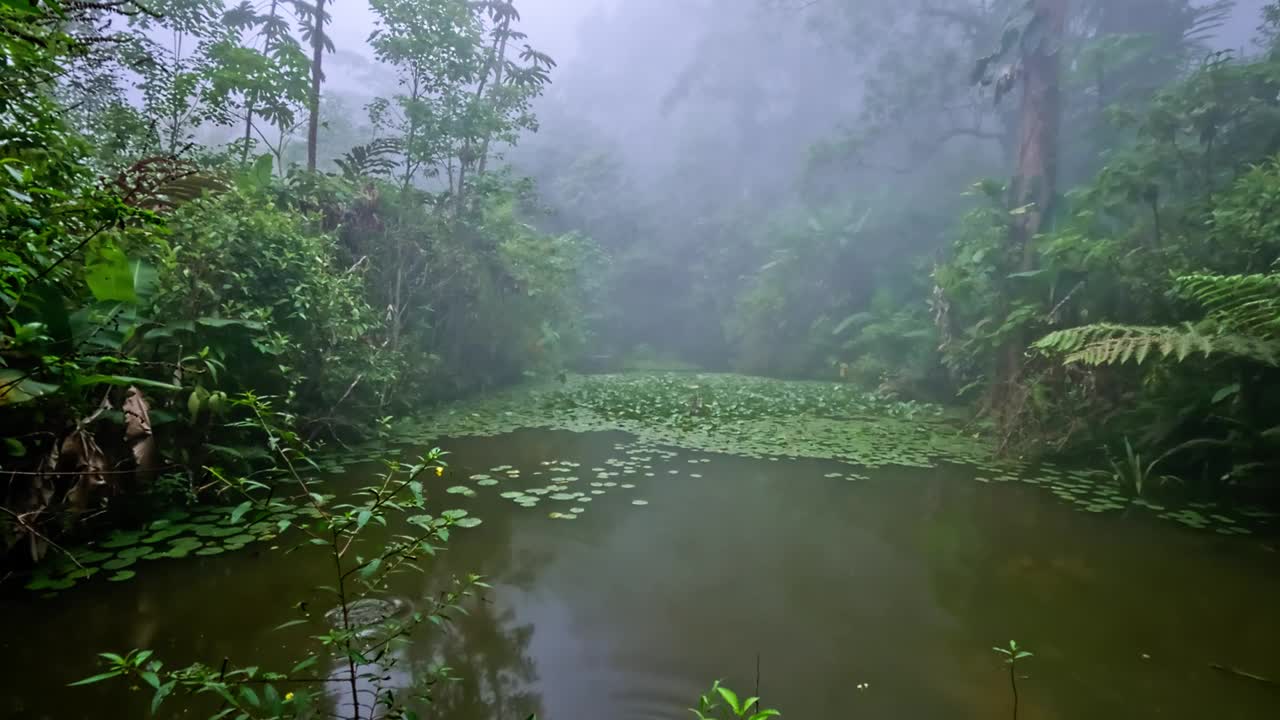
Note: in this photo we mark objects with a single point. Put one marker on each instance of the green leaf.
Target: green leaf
(151, 679)
(240, 510)
(261, 171)
(213, 322)
(109, 276)
(161, 693)
(1029, 274)
(732, 698)
(368, 570)
(16, 387)
(97, 678)
(25, 7)
(859, 318)
(1226, 392)
(124, 381)
(363, 518)
(18, 195)
(764, 714)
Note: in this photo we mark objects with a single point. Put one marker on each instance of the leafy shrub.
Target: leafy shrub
(238, 256)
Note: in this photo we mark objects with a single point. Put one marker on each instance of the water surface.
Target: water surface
(902, 582)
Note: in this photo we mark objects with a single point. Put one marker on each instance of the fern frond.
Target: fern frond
(1111, 344)
(372, 159)
(1245, 304)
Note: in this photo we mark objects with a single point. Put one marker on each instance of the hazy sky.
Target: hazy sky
(550, 24)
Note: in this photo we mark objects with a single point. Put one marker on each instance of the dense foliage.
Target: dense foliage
(1118, 287)
(862, 231)
(162, 255)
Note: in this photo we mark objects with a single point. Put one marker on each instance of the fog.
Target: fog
(1007, 241)
(692, 139)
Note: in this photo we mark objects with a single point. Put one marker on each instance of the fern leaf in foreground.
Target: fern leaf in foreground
(1110, 344)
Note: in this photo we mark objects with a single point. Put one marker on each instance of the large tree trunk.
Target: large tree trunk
(317, 76)
(1035, 176)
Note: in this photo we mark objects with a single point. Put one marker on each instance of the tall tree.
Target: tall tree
(315, 18)
(1028, 60)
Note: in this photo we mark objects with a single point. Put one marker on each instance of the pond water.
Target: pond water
(877, 598)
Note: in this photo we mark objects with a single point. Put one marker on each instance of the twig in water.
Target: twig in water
(1241, 673)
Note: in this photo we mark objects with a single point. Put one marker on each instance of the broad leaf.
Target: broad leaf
(110, 278)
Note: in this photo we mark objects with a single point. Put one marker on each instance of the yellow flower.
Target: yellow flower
(288, 696)
(439, 471)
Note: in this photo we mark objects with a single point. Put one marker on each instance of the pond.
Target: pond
(871, 598)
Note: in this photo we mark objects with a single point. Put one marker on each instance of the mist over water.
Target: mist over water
(555, 358)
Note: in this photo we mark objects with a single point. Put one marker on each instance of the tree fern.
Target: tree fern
(1243, 321)
(1247, 304)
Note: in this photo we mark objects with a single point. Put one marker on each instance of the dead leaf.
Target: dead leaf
(138, 435)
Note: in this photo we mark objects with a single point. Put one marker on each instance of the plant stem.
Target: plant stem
(1013, 682)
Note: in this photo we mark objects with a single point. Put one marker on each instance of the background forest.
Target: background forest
(1060, 215)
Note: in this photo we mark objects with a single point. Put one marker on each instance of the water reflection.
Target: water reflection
(904, 582)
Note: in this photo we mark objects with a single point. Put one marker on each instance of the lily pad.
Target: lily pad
(119, 539)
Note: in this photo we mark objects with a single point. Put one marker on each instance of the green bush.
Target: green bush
(237, 256)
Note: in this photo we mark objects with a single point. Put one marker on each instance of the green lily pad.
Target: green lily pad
(48, 583)
(119, 539)
(119, 563)
(94, 557)
(121, 575)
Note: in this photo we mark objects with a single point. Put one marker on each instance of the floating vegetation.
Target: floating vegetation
(639, 502)
(772, 420)
(462, 490)
(212, 531)
(739, 415)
